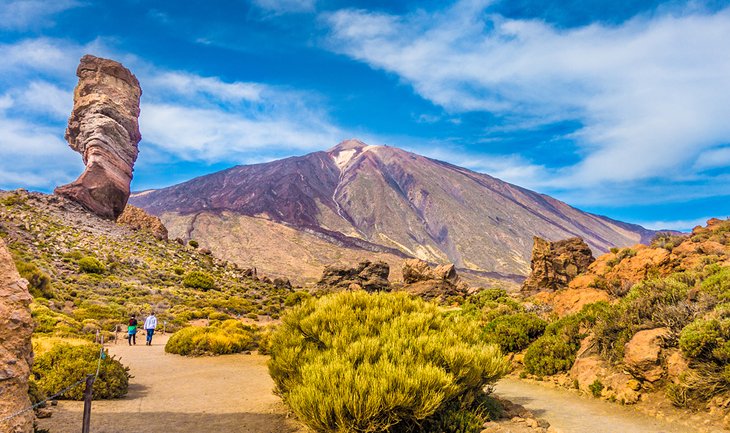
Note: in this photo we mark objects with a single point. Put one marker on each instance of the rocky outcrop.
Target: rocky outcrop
(555, 264)
(367, 276)
(642, 354)
(16, 352)
(137, 219)
(440, 282)
(103, 128)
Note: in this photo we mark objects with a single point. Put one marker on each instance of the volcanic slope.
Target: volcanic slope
(293, 216)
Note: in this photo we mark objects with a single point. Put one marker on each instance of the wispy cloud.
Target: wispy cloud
(651, 93)
(285, 6)
(680, 225)
(31, 14)
(184, 116)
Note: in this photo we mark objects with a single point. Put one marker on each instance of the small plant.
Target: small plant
(65, 364)
(39, 282)
(91, 265)
(596, 387)
(178, 270)
(230, 336)
(193, 243)
(514, 332)
(199, 280)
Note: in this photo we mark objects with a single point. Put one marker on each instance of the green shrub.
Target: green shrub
(193, 243)
(550, 354)
(91, 265)
(217, 315)
(700, 338)
(65, 364)
(39, 283)
(199, 280)
(178, 270)
(355, 361)
(296, 298)
(596, 387)
(230, 336)
(514, 332)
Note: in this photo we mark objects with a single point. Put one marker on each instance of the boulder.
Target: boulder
(642, 354)
(104, 129)
(137, 219)
(431, 283)
(16, 352)
(555, 264)
(367, 275)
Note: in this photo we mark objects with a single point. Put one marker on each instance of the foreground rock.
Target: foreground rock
(440, 282)
(367, 276)
(103, 128)
(16, 352)
(555, 264)
(642, 354)
(137, 219)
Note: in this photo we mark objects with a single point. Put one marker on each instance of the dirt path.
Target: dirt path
(176, 394)
(572, 413)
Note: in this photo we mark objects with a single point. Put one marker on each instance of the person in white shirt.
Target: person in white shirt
(149, 326)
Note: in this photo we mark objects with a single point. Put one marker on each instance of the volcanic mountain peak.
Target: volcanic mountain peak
(384, 199)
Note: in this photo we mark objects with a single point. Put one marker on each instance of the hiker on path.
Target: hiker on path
(149, 326)
(132, 330)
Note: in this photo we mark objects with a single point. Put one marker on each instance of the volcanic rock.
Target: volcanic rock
(642, 354)
(555, 264)
(16, 352)
(103, 127)
(368, 276)
(432, 283)
(137, 219)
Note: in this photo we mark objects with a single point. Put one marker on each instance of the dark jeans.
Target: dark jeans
(150, 332)
(132, 339)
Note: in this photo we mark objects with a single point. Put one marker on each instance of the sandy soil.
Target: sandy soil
(175, 394)
(572, 413)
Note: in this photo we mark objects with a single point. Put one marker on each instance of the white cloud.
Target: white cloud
(25, 14)
(679, 225)
(285, 6)
(713, 158)
(191, 85)
(651, 93)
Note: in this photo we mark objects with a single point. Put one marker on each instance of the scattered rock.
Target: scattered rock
(282, 283)
(642, 354)
(430, 283)
(676, 364)
(137, 219)
(16, 352)
(367, 275)
(555, 264)
(103, 127)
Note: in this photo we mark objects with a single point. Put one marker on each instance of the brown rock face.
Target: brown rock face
(103, 128)
(16, 352)
(367, 276)
(429, 283)
(641, 354)
(137, 219)
(555, 264)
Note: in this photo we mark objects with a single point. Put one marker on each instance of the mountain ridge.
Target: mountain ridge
(396, 202)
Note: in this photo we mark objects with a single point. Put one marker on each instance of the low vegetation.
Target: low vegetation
(355, 361)
(220, 338)
(61, 364)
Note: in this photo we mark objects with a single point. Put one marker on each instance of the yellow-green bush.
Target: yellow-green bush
(198, 280)
(355, 361)
(39, 283)
(91, 265)
(221, 338)
(514, 332)
(65, 364)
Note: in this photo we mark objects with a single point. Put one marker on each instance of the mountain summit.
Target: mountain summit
(319, 208)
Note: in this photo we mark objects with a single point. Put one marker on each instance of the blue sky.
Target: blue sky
(617, 107)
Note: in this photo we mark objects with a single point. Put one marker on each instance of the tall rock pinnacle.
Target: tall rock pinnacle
(103, 128)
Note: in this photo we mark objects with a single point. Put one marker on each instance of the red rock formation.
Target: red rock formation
(16, 352)
(137, 219)
(103, 127)
(440, 282)
(555, 264)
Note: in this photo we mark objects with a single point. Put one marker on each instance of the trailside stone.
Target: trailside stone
(642, 354)
(432, 283)
(104, 129)
(16, 352)
(137, 219)
(555, 264)
(367, 275)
